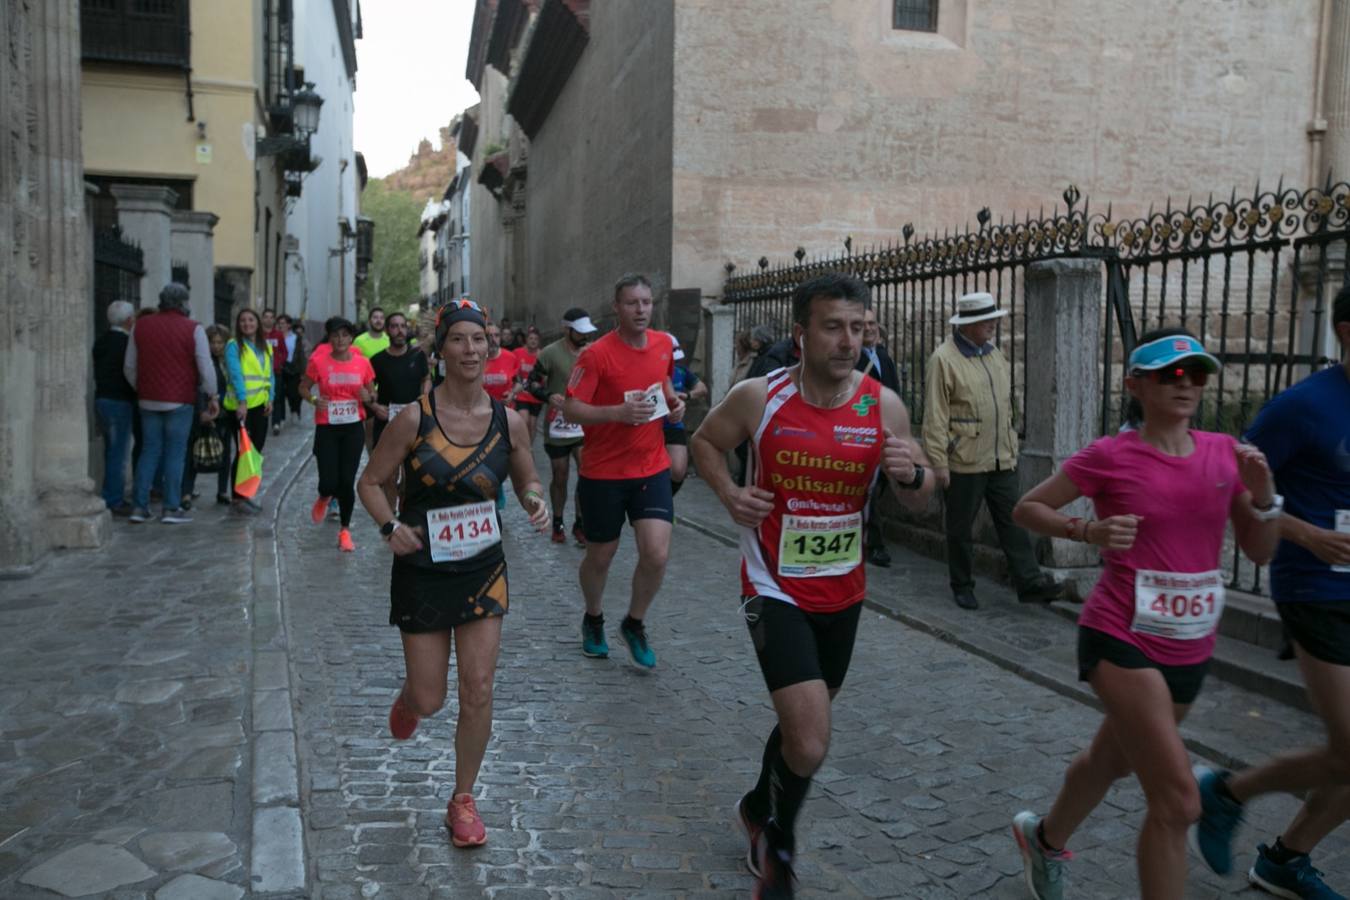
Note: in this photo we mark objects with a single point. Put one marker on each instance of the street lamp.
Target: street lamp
(305, 106)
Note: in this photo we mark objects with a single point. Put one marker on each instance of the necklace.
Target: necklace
(801, 385)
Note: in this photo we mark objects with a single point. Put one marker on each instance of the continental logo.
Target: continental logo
(855, 434)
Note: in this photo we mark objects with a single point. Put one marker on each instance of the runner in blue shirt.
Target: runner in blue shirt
(687, 387)
(1305, 435)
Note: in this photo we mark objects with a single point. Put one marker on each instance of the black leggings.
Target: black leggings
(338, 451)
(255, 423)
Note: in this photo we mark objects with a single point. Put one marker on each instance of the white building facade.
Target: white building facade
(321, 223)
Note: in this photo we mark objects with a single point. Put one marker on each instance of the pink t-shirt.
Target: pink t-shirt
(340, 383)
(1184, 503)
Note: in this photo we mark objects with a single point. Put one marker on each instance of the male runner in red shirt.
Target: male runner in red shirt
(822, 434)
(501, 370)
(620, 392)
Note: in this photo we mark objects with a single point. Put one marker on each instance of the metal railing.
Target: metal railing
(147, 32)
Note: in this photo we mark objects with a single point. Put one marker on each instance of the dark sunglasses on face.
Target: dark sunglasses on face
(1197, 375)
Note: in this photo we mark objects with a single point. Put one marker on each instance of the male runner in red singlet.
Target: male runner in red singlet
(620, 393)
(821, 436)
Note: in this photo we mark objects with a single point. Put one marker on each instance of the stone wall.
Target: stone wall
(489, 245)
(599, 170)
(803, 129)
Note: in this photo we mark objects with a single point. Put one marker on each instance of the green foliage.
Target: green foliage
(394, 279)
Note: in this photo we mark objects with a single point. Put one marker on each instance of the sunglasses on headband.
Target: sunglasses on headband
(1198, 375)
(456, 306)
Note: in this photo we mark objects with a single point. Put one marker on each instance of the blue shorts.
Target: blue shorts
(606, 502)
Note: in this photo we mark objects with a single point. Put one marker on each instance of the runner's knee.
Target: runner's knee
(424, 700)
(1175, 802)
(805, 752)
(475, 692)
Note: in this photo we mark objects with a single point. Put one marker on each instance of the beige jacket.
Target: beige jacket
(967, 416)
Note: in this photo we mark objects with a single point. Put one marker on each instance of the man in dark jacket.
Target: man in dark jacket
(113, 401)
(877, 363)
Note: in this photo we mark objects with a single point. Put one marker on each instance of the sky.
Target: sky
(410, 76)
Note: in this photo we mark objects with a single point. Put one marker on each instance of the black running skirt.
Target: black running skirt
(422, 600)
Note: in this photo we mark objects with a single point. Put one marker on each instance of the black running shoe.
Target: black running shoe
(775, 872)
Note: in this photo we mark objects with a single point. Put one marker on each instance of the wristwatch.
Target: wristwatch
(388, 528)
(1271, 512)
(918, 479)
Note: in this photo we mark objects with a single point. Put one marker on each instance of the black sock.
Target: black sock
(631, 623)
(1281, 855)
(1221, 788)
(757, 801)
(675, 486)
(595, 620)
(1040, 836)
(557, 523)
(787, 793)
(576, 523)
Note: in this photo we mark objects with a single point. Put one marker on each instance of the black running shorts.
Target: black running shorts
(795, 646)
(678, 437)
(606, 502)
(560, 451)
(1321, 629)
(1183, 682)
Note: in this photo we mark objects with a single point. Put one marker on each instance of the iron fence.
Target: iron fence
(119, 266)
(1251, 276)
(915, 284)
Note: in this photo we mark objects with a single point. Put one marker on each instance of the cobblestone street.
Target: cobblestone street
(127, 730)
(606, 781)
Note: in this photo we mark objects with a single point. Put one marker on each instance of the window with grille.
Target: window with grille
(145, 32)
(915, 15)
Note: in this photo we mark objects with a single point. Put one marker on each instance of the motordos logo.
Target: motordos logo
(855, 434)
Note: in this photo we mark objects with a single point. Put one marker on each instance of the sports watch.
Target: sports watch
(1271, 512)
(388, 528)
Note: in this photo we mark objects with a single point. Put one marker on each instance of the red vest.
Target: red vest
(166, 360)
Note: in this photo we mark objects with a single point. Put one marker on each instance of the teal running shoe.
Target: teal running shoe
(1044, 870)
(635, 634)
(1295, 880)
(593, 642)
(1212, 836)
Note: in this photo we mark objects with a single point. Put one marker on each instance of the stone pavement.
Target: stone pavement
(606, 781)
(125, 713)
(204, 690)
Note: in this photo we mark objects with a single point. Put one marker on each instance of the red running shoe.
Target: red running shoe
(345, 541)
(466, 826)
(559, 536)
(579, 535)
(317, 511)
(402, 721)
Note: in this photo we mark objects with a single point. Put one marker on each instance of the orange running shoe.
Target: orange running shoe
(345, 541)
(402, 721)
(317, 511)
(466, 826)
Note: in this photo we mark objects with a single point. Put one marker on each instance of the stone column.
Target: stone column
(145, 215)
(192, 242)
(721, 350)
(1064, 388)
(46, 496)
(1335, 153)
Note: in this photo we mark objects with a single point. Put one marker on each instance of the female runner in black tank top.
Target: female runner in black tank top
(456, 446)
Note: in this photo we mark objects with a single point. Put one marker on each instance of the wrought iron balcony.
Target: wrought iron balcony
(142, 32)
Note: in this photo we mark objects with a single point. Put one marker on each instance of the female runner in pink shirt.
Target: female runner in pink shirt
(1163, 494)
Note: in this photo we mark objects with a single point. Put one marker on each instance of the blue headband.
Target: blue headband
(1170, 350)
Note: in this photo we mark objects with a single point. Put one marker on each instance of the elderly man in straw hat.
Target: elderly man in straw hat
(969, 434)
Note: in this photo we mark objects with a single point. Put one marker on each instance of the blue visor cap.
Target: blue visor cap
(1169, 351)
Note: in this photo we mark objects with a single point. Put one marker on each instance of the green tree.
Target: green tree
(393, 280)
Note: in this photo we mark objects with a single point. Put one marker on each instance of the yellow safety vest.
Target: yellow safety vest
(257, 376)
